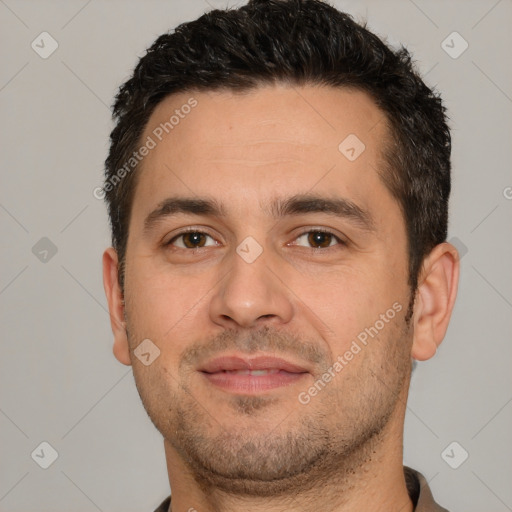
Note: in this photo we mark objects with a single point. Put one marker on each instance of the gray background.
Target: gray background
(59, 381)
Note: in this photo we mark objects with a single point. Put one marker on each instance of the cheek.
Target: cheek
(351, 305)
(160, 307)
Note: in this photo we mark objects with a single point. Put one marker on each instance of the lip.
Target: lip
(234, 373)
(264, 362)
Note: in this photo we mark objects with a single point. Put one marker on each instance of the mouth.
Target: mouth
(237, 374)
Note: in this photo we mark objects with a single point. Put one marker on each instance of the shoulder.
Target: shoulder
(164, 506)
(420, 492)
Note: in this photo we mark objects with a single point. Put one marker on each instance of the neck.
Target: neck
(374, 482)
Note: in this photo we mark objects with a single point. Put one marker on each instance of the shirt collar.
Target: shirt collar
(417, 487)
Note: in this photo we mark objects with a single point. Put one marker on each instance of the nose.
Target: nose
(250, 296)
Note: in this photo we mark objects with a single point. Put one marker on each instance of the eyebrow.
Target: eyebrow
(278, 208)
(338, 207)
(188, 205)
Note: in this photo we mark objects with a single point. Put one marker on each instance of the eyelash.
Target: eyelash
(324, 231)
(316, 230)
(184, 232)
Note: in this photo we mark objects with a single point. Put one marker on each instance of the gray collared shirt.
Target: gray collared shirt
(417, 486)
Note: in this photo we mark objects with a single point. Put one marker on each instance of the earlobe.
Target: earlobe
(115, 305)
(435, 298)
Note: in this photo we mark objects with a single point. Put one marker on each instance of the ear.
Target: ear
(435, 298)
(115, 305)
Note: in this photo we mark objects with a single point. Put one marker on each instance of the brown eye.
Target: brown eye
(319, 239)
(192, 240)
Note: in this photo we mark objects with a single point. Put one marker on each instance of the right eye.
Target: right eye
(191, 240)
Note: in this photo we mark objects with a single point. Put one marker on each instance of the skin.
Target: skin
(267, 451)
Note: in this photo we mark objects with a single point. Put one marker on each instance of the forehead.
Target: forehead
(308, 114)
(266, 141)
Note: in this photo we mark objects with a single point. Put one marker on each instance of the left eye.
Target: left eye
(192, 240)
(318, 239)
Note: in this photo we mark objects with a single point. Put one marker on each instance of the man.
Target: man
(278, 184)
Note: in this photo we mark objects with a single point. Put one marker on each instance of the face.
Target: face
(268, 266)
